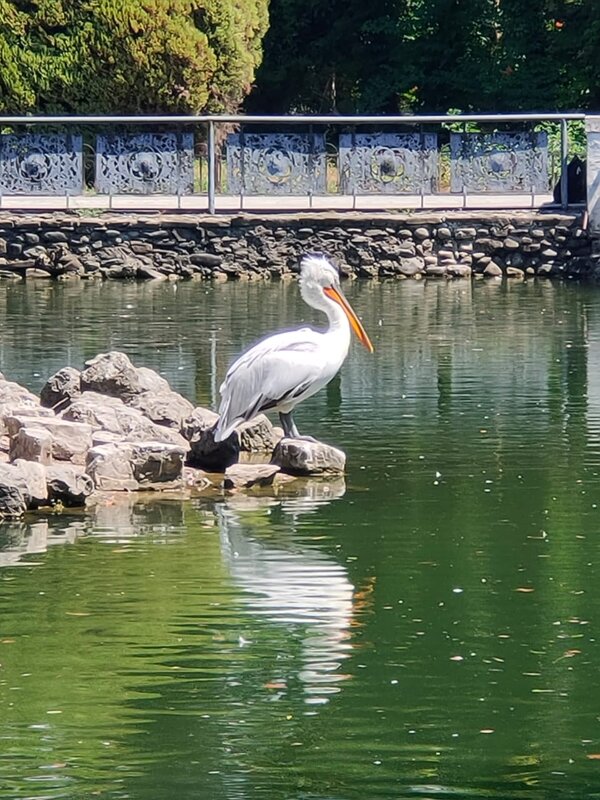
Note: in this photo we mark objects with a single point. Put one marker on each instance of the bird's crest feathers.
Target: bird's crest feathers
(316, 269)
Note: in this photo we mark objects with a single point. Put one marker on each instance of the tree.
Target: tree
(395, 56)
(127, 56)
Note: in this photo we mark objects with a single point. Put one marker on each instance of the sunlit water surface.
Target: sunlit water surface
(427, 628)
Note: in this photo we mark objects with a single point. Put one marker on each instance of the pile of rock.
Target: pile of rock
(163, 247)
(117, 427)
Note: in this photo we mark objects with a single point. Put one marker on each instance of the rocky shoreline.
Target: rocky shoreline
(458, 244)
(114, 427)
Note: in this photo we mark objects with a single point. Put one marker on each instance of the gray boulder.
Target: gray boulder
(195, 478)
(68, 484)
(301, 457)
(157, 464)
(34, 478)
(111, 414)
(129, 466)
(213, 456)
(13, 396)
(151, 381)
(204, 451)
(164, 407)
(200, 420)
(61, 388)
(22, 486)
(257, 436)
(70, 440)
(109, 466)
(32, 444)
(112, 374)
(244, 476)
(12, 499)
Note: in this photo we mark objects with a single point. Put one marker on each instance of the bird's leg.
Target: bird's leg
(290, 431)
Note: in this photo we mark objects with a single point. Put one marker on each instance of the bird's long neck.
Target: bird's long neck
(339, 326)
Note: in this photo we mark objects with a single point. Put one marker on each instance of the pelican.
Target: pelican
(280, 371)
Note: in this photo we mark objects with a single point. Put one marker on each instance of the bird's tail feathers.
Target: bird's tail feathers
(224, 426)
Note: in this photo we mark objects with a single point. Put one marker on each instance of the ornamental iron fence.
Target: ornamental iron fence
(213, 162)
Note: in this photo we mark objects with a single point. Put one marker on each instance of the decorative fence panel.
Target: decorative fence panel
(276, 163)
(388, 163)
(499, 162)
(47, 164)
(145, 163)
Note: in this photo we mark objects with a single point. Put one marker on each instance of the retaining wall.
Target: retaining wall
(246, 247)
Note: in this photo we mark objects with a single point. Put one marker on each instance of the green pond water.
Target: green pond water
(428, 627)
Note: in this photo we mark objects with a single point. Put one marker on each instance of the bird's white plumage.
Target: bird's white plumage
(282, 370)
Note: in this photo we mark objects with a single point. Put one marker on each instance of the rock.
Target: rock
(21, 487)
(436, 270)
(12, 499)
(112, 374)
(549, 253)
(128, 466)
(33, 273)
(410, 266)
(164, 408)
(243, 476)
(492, 270)
(34, 477)
(257, 436)
(301, 457)
(109, 466)
(206, 259)
(198, 421)
(511, 244)
(105, 437)
(111, 414)
(13, 396)
(421, 233)
(68, 484)
(33, 412)
(61, 388)
(32, 444)
(151, 381)
(150, 274)
(157, 464)
(514, 272)
(70, 440)
(459, 270)
(210, 455)
(195, 478)
(55, 236)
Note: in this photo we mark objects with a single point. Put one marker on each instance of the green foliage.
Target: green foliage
(127, 56)
(396, 56)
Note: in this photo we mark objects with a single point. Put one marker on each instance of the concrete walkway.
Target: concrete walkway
(260, 203)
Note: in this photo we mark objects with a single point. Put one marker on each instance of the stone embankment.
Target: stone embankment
(248, 247)
(117, 427)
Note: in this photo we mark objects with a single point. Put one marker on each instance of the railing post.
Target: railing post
(564, 156)
(592, 129)
(212, 182)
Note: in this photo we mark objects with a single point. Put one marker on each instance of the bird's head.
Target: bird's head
(320, 288)
(316, 271)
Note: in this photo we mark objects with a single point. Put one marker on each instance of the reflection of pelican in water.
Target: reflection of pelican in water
(292, 583)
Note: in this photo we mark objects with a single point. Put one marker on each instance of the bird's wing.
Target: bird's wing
(274, 370)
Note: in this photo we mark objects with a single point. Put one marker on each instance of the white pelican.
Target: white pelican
(282, 370)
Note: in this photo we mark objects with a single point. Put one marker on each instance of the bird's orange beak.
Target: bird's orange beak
(357, 327)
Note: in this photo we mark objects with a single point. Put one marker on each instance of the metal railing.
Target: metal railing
(211, 131)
